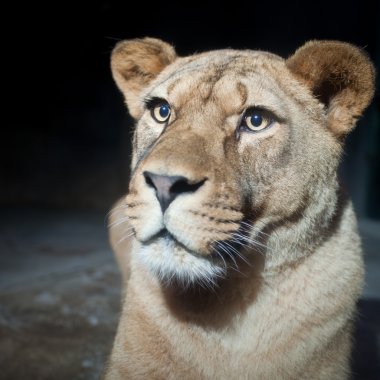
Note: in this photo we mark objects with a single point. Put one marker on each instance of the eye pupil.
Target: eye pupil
(164, 111)
(161, 112)
(256, 120)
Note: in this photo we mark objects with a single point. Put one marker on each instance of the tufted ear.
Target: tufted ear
(340, 75)
(135, 63)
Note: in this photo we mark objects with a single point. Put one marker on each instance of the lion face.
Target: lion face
(227, 145)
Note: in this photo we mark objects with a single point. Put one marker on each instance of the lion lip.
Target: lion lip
(166, 234)
(163, 234)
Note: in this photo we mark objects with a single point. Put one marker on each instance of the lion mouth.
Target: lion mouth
(166, 236)
(168, 258)
(227, 250)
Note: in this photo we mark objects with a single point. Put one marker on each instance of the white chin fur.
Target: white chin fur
(171, 262)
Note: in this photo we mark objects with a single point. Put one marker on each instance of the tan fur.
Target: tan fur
(280, 305)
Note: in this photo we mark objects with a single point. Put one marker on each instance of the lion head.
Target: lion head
(235, 153)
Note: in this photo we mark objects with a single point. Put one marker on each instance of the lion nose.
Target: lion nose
(169, 187)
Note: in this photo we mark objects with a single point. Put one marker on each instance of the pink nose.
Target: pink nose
(169, 187)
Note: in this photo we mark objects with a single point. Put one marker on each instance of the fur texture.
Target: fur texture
(253, 268)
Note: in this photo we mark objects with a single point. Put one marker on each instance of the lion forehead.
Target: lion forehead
(227, 77)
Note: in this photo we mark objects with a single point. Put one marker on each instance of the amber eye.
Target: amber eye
(161, 112)
(257, 120)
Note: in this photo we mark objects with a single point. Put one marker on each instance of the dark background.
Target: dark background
(64, 158)
(65, 135)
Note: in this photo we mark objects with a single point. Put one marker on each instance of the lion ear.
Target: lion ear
(135, 63)
(340, 75)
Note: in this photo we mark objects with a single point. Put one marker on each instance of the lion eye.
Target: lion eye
(257, 120)
(161, 112)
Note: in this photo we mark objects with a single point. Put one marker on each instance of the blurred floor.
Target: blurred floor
(60, 296)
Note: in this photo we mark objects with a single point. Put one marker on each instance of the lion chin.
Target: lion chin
(172, 262)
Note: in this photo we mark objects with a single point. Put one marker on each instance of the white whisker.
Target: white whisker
(118, 222)
(225, 250)
(221, 256)
(125, 238)
(238, 254)
(119, 207)
(250, 227)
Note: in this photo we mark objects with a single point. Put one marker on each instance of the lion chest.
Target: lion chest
(274, 337)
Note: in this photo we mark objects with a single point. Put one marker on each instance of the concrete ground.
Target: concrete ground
(60, 296)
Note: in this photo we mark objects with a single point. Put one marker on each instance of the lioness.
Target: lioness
(240, 253)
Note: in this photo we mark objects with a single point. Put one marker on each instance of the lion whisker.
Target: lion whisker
(234, 250)
(119, 207)
(125, 237)
(225, 250)
(252, 243)
(118, 222)
(221, 256)
(249, 227)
